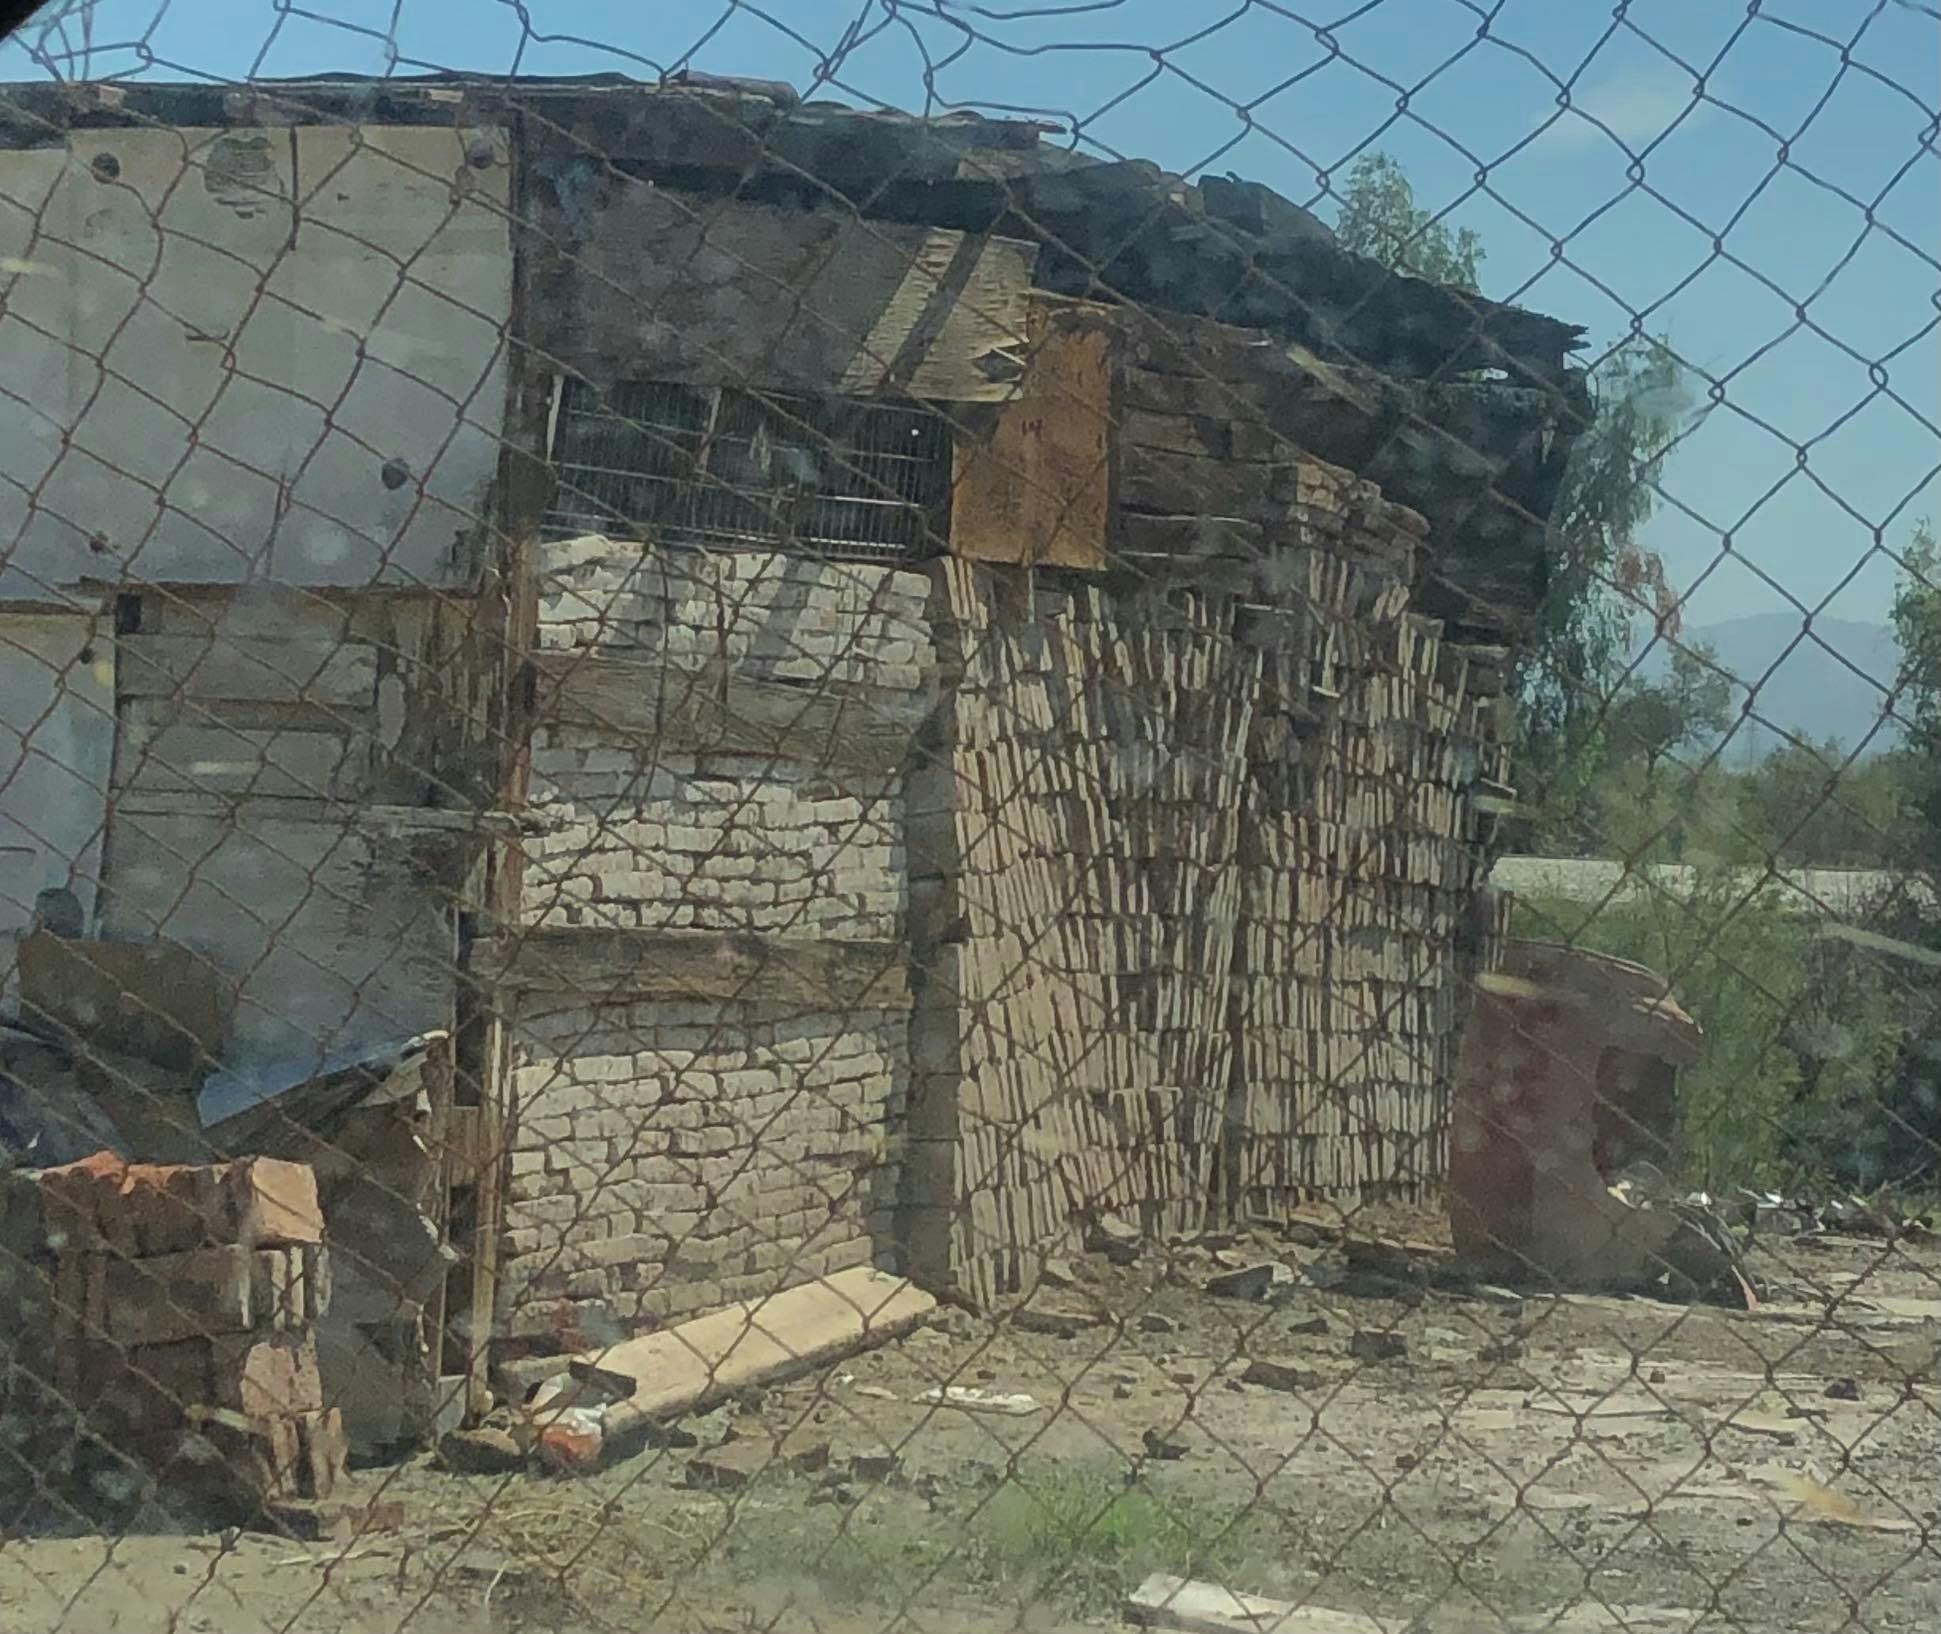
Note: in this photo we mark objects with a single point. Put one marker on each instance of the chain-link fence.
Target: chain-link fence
(796, 834)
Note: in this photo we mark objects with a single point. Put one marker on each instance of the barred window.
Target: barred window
(841, 477)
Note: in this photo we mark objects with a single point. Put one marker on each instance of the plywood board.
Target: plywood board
(1038, 488)
(225, 759)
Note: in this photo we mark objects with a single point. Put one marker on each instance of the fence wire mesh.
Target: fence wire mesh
(796, 834)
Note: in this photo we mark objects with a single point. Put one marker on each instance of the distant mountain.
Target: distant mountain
(1813, 693)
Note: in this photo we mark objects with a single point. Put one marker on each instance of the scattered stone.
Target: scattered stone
(874, 1466)
(1056, 1273)
(955, 1321)
(677, 1437)
(1357, 1284)
(1843, 1390)
(1375, 1345)
(1505, 1350)
(309, 1521)
(1060, 1321)
(1312, 1327)
(805, 1454)
(1279, 1375)
(1157, 1322)
(730, 1466)
(1116, 1240)
(481, 1452)
(1016, 1405)
(1657, 1376)
(1122, 1392)
(1166, 1448)
(1183, 1378)
(1249, 1282)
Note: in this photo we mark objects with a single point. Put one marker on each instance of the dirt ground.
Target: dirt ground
(1445, 1458)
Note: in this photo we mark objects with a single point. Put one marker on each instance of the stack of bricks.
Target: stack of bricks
(169, 1313)
(1073, 842)
(712, 836)
(1192, 849)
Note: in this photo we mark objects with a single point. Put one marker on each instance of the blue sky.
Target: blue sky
(1808, 289)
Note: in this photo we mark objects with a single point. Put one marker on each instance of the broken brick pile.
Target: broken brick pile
(168, 1312)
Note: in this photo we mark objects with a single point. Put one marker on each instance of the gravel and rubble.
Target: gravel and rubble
(1370, 1434)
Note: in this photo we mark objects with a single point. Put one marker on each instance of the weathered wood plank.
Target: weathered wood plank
(1038, 490)
(717, 710)
(256, 669)
(223, 759)
(1242, 436)
(1156, 479)
(695, 965)
(703, 1361)
(245, 810)
(659, 285)
(1197, 537)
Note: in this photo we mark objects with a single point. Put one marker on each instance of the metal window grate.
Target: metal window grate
(837, 477)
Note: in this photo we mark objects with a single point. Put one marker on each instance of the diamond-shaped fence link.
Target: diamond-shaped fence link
(796, 833)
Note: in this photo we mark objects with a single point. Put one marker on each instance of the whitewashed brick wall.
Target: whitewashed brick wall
(668, 1158)
(671, 1157)
(721, 843)
(772, 615)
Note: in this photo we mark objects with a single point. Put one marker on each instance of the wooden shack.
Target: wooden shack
(896, 692)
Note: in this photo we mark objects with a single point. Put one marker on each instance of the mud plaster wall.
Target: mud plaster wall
(673, 1150)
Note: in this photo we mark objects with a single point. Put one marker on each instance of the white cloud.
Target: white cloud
(1636, 107)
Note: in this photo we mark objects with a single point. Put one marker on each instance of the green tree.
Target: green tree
(1691, 705)
(1599, 580)
(1381, 220)
(1805, 806)
(1917, 624)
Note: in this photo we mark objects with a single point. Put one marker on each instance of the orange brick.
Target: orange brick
(256, 1202)
(273, 1203)
(260, 1376)
(72, 1196)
